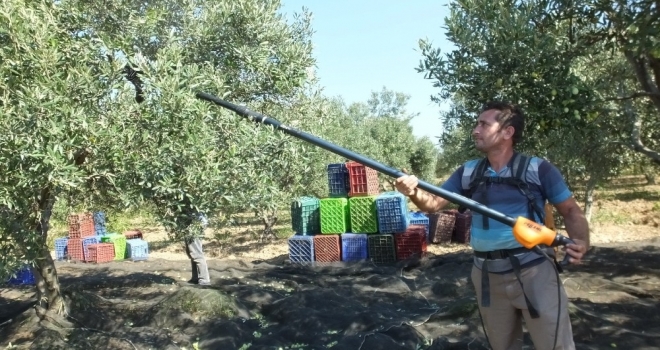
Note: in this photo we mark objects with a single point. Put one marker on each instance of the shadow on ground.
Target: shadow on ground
(269, 304)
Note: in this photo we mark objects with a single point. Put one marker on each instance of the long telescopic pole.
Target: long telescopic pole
(450, 196)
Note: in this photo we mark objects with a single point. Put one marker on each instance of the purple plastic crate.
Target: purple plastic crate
(354, 247)
(392, 212)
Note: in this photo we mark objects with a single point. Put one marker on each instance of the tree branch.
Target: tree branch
(635, 95)
(655, 67)
(639, 66)
(636, 137)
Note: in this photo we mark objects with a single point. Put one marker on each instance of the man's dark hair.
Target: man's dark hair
(510, 115)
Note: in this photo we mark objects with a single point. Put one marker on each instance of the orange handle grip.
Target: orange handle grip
(530, 233)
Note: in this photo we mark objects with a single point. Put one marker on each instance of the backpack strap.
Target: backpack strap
(476, 178)
(519, 175)
(519, 165)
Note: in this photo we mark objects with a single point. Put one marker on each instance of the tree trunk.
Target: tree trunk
(49, 295)
(650, 178)
(589, 198)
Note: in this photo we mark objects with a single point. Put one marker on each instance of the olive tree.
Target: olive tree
(73, 127)
(511, 51)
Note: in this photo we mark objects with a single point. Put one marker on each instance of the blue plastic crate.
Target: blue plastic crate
(61, 247)
(301, 249)
(24, 276)
(392, 212)
(354, 247)
(338, 180)
(99, 223)
(306, 215)
(137, 249)
(419, 218)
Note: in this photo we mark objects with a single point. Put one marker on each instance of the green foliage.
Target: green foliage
(50, 115)
(77, 133)
(381, 130)
(195, 157)
(558, 61)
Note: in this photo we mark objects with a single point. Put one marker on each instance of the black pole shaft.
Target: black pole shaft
(450, 196)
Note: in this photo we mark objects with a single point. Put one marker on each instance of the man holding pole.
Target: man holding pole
(512, 283)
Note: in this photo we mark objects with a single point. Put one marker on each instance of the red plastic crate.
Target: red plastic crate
(81, 225)
(462, 227)
(101, 252)
(133, 234)
(363, 180)
(412, 242)
(327, 248)
(75, 249)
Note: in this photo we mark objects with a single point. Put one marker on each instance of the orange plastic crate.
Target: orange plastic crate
(327, 248)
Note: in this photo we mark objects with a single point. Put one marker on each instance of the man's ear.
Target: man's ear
(509, 131)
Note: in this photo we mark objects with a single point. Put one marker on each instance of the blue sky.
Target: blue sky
(362, 46)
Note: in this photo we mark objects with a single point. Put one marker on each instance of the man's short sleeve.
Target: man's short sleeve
(453, 184)
(553, 186)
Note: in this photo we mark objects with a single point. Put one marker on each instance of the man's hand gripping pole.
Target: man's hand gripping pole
(529, 233)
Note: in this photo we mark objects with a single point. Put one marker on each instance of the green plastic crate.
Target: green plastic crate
(363, 214)
(334, 215)
(306, 215)
(119, 241)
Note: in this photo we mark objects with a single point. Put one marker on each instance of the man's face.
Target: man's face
(488, 134)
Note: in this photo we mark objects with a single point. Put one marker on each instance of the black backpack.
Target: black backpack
(519, 164)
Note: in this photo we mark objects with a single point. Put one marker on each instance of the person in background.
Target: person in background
(195, 252)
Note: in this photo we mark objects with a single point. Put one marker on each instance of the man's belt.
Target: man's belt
(501, 254)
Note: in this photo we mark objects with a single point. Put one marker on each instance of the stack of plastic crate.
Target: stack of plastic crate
(81, 235)
(306, 216)
(119, 243)
(411, 243)
(392, 212)
(137, 249)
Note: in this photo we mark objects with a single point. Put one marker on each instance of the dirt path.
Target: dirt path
(270, 304)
